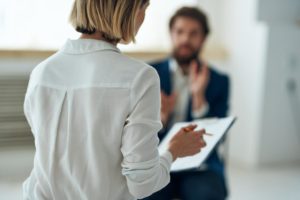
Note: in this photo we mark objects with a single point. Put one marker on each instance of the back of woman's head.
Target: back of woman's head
(115, 19)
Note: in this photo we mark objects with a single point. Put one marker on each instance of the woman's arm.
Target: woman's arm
(146, 172)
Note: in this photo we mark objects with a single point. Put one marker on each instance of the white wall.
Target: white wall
(262, 40)
(18, 65)
(245, 39)
(280, 130)
(280, 136)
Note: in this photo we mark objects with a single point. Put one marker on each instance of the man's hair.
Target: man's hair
(193, 13)
(115, 19)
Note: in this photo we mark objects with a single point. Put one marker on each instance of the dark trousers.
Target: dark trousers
(193, 185)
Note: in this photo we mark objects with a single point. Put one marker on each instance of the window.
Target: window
(154, 34)
(43, 24)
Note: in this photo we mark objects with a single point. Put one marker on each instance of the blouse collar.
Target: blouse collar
(82, 46)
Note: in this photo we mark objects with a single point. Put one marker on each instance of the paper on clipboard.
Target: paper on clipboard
(217, 127)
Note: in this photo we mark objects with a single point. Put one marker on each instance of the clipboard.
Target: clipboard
(217, 127)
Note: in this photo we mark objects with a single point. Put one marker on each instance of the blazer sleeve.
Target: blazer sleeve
(146, 172)
(221, 104)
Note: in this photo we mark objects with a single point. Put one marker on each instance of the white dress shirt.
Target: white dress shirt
(95, 115)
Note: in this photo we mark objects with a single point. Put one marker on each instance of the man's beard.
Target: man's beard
(186, 59)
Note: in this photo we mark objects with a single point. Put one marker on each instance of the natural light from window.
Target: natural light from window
(43, 25)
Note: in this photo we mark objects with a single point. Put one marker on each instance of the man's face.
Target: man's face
(187, 37)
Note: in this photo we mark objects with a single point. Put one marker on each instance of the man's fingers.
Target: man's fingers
(169, 100)
(172, 98)
(174, 95)
(204, 71)
(194, 66)
(163, 93)
(193, 69)
(163, 98)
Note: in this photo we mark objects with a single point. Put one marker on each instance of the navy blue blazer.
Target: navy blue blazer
(217, 96)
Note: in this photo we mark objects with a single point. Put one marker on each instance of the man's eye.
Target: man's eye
(193, 33)
(179, 32)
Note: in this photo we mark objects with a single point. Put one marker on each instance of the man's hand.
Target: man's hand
(167, 106)
(198, 83)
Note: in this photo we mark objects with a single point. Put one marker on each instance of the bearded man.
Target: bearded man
(190, 90)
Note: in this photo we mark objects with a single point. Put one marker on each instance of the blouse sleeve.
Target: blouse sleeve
(27, 103)
(146, 172)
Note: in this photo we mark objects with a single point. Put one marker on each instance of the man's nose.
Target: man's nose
(185, 38)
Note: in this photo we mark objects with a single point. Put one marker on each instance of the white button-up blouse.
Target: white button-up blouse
(95, 115)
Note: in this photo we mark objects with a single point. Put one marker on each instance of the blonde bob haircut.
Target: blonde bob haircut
(115, 19)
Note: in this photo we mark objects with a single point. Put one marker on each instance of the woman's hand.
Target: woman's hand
(187, 142)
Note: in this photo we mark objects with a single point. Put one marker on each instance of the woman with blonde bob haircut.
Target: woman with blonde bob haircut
(95, 113)
(116, 19)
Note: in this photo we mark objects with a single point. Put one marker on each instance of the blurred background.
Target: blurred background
(256, 42)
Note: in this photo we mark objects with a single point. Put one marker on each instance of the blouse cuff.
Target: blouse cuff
(168, 158)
